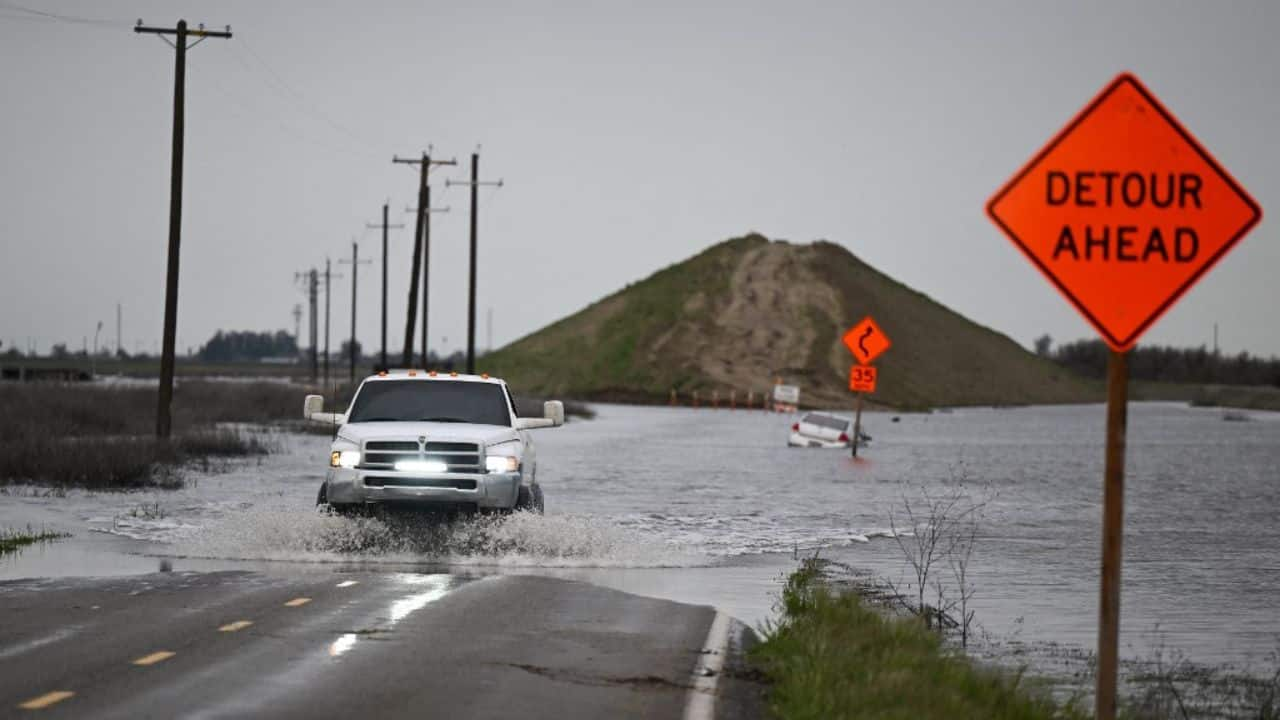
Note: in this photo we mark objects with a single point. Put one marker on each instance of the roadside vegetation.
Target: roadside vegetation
(1197, 375)
(1243, 397)
(14, 540)
(1168, 364)
(70, 435)
(832, 655)
(851, 646)
(1167, 685)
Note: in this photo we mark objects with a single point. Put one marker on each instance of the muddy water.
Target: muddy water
(709, 506)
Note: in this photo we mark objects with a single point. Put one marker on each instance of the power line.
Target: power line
(303, 102)
(286, 127)
(52, 17)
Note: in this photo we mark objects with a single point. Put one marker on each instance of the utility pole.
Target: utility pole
(355, 262)
(119, 315)
(426, 262)
(163, 418)
(311, 278)
(424, 194)
(385, 226)
(314, 281)
(297, 324)
(424, 167)
(328, 284)
(93, 364)
(471, 296)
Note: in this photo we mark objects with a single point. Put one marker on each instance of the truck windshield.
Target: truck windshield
(431, 401)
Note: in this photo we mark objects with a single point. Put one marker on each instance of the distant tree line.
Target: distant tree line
(1163, 363)
(243, 346)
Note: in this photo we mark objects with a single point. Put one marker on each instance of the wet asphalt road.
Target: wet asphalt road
(238, 644)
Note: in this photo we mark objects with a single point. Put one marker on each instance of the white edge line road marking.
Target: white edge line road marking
(701, 704)
(348, 583)
(47, 699)
(20, 648)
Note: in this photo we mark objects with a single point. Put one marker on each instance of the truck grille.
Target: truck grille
(459, 457)
(456, 483)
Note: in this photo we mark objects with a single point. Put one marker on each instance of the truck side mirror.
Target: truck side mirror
(553, 410)
(312, 405)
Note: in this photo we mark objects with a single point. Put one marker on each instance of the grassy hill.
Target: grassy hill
(748, 310)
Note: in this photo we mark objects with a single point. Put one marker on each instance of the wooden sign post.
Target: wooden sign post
(1123, 211)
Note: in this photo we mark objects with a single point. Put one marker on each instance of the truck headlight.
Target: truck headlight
(501, 463)
(344, 458)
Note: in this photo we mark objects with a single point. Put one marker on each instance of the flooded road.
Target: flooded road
(709, 507)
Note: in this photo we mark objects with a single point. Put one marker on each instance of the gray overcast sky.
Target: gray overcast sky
(630, 135)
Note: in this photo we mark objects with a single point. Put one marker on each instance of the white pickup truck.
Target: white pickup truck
(432, 440)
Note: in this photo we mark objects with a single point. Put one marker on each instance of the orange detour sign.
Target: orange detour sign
(862, 379)
(1123, 211)
(866, 341)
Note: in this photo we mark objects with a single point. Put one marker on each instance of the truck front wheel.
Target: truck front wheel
(530, 499)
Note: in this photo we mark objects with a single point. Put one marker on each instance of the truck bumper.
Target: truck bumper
(359, 487)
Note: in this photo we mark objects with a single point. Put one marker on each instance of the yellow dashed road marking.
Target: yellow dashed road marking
(237, 625)
(297, 602)
(154, 658)
(348, 583)
(45, 700)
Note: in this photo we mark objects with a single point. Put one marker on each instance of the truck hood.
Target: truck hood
(433, 431)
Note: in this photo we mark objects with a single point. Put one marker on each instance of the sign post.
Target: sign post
(862, 379)
(1112, 535)
(866, 341)
(1122, 211)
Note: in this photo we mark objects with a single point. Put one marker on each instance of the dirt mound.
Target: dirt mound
(748, 310)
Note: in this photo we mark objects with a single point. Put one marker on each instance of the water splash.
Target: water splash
(518, 540)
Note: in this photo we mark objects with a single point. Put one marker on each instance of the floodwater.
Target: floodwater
(709, 506)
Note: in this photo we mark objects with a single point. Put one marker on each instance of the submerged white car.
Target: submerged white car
(823, 430)
(433, 441)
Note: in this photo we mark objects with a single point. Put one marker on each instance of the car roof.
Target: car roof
(819, 413)
(432, 376)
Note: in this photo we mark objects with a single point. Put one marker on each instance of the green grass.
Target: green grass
(14, 540)
(831, 656)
